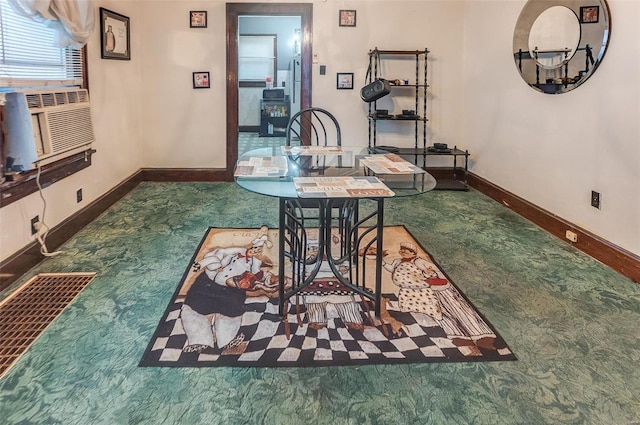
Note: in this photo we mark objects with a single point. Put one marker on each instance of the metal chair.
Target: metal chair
(316, 127)
(313, 127)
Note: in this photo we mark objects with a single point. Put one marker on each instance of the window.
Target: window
(257, 57)
(29, 55)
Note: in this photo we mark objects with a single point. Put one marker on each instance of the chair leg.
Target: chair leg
(298, 317)
(285, 317)
(365, 302)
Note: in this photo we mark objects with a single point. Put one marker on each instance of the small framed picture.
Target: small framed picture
(114, 35)
(201, 80)
(347, 18)
(344, 81)
(589, 14)
(198, 19)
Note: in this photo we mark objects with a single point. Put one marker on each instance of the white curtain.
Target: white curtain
(73, 20)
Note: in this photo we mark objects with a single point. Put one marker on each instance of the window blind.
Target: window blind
(29, 55)
(256, 57)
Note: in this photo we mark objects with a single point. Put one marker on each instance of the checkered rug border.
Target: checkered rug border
(266, 344)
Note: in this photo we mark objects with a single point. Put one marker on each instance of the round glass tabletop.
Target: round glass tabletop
(336, 171)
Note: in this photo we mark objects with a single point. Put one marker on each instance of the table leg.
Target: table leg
(379, 255)
(281, 257)
(293, 244)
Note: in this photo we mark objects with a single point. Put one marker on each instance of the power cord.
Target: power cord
(42, 230)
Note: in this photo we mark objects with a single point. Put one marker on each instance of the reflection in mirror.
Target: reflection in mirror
(558, 44)
(554, 37)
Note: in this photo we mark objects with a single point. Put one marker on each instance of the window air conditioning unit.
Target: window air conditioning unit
(43, 126)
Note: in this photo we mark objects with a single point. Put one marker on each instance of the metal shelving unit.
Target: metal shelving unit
(419, 120)
(420, 150)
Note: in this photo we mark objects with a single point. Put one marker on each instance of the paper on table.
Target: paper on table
(390, 164)
(274, 166)
(310, 150)
(341, 187)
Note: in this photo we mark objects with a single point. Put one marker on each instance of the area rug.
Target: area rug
(224, 312)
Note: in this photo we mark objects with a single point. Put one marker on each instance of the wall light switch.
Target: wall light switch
(316, 59)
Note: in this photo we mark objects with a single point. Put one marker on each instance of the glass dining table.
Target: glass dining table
(331, 212)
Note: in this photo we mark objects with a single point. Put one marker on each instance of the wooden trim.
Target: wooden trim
(619, 259)
(233, 12)
(12, 191)
(21, 262)
(622, 261)
(184, 175)
(85, 69)
(232, 84)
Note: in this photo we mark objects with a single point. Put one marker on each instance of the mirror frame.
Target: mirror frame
(594, 39)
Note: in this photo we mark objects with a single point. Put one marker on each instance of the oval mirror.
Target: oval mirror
(558, 44)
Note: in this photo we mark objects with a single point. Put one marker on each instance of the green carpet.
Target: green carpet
(572, 322)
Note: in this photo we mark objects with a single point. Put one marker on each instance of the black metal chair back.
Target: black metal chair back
(313, 127)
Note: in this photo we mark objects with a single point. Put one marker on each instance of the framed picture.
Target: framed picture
(344, 81)
(201, 80)
(347, 18)
(198, 18)
(115, 35)
(589, 14)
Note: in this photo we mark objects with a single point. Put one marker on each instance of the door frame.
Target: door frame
(234, 11)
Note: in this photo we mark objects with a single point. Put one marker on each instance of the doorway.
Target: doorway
(234, 12)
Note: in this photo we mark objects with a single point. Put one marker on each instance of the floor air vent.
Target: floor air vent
(26, 313)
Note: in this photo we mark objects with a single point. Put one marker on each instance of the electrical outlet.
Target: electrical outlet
(573, 237)
(595, 199)
(34, 221)
(79, 195)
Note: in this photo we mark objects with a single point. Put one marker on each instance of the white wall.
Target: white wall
(186, 127)
(397, 25)
(115, 105)
(550, 150)
(553, 150)
(183, 127)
